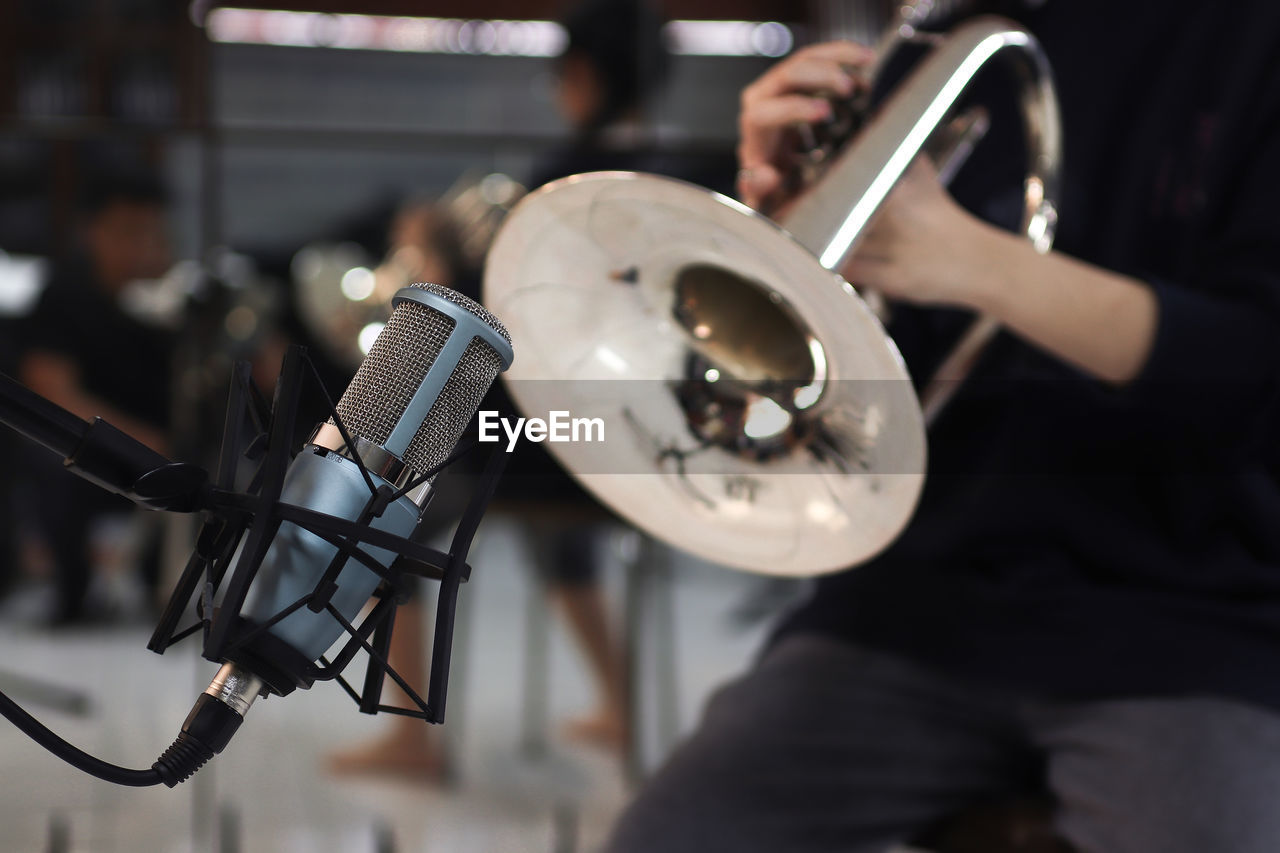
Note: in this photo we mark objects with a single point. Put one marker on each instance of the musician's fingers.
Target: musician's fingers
(848, 52)
(794, 92)
(831, 65)
(802, 75)
(758, 119)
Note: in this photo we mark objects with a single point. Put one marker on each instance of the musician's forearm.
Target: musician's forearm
(1100, 321)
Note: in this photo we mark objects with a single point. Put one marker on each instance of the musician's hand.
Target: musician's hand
(796, 91)
(922, 247)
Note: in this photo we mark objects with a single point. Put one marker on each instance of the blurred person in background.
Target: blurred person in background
(423, 246)
(82, 350)
(613, 66)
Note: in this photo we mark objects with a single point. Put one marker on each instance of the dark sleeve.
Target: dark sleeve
(64, 316)
(1213, 375)
(1212, 380)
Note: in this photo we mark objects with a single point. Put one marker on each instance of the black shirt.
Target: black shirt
(121, 359)
(1076, 539)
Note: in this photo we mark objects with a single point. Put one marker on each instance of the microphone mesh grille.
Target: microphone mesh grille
(454, 408)
(390, 375)
(397, 365)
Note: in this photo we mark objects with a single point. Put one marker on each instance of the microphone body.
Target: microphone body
(404, 410)
(331, 484)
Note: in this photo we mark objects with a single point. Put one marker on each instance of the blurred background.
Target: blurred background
(184, 185)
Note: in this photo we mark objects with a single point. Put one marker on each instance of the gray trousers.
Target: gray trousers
(828, 747)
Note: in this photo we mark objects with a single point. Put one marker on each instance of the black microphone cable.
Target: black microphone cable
(214, 718)
(73, 755)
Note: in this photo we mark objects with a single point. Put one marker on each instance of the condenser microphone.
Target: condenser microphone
(401, 416)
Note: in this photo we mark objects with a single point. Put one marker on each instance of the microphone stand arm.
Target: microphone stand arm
(102, 454)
